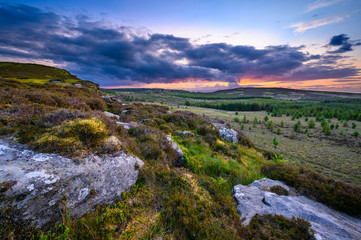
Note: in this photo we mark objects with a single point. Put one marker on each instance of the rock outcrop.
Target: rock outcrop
(36, 184)
(327, 223)
(228, 134)
(180, 156)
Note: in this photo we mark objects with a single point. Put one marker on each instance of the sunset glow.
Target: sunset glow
(190, 45)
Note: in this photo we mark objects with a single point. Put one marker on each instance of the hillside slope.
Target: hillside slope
(172, 199)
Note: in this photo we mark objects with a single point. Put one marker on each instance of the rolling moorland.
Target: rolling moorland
(49, 110)
(325, 138)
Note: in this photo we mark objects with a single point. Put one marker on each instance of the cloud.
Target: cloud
(301, 27)
(343, 43)
(119, 55)
(321, 4)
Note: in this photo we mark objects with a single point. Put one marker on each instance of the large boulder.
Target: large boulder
(327, 223)
(36, 185)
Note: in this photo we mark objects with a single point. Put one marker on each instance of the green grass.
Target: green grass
(336, 156)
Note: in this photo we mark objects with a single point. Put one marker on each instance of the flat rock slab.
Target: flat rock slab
(38, 183)
(327, 222)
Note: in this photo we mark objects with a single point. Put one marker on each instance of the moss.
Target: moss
(72, 136)
(279, 190)
(269, 226)
(53, 144)
(90, 132)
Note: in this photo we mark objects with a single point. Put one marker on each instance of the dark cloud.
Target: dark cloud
(343, 43)
(311, 72)
(339, 40)
(112, 55)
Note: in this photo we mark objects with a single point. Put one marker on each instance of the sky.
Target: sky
(196, 45)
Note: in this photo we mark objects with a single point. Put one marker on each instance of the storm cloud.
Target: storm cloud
(119, 55)
(343, 43)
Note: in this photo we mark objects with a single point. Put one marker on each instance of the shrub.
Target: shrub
(96, 103)
(270, 125)
(356, 133)
(59, 116)
(269, 226)
(91, 132)
(297, 127)
(266, 153)
(326, 129)
(255, 121)
(279, 190)
(278, 131)
(275, 142)
(244, 140)
(311, 124)
(72, 136)
(53, 144)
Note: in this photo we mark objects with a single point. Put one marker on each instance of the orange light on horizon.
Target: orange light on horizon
(191, 84)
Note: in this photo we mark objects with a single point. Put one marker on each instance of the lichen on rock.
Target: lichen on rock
(328, 223)
(34, 185)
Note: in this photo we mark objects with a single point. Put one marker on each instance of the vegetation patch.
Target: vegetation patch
(336, 194)
(279, 190)
(269, 226)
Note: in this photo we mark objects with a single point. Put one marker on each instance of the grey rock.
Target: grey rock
(111, 115)
(226, 133)
(41, 181)
(78, 85)
(124, 111)
(327, 223)
(107, 99)
(127, 125)
(180, 156)
(187, 133)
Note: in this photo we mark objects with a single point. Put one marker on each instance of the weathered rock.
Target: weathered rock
(187, 133)
(327, 223)
(111, 99)
(107, 99)
(124, 111)
(127, 125)
(228, 134)
(111, 115)
(180, 156)
(40, 182)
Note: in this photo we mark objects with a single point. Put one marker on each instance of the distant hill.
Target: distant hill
(288, 94)
(35, 73)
